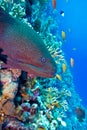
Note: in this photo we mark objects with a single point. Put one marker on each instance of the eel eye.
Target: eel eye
(43, 59)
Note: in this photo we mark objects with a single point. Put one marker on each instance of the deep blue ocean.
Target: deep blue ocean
(75, 19)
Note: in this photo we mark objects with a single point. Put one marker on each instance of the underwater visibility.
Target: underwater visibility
(37, 88)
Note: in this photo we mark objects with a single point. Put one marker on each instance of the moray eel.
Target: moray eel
(22, 48)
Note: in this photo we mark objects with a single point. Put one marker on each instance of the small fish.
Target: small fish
(62, 13)
(64, 67)
(71, 62)
(22, 48)
(54, 4)
(58, 77)
(63, 34)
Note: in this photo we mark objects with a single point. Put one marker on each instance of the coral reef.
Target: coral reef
(35, 103)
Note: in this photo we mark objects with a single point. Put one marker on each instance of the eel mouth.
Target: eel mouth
(38, 71)
(30, 68)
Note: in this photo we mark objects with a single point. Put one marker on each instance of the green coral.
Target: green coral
(4, 4)
(17, 11)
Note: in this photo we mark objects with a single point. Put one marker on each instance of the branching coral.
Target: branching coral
(17, 11)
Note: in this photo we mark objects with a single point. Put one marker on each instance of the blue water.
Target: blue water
(76, 19)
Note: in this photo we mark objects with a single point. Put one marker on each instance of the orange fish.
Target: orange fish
(63, 34)
(64, 67)
(71, 62)
(58, 77)
(54, 4)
